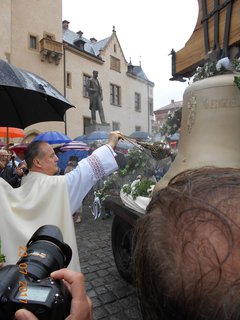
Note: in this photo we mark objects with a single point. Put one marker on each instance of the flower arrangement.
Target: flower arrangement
(138, 163)
(213, 67)
(141, 187)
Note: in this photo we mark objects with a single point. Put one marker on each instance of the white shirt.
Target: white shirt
(87, 173)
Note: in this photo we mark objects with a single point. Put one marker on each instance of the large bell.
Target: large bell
(210, 127)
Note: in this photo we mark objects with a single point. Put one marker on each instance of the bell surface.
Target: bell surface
(210, 127)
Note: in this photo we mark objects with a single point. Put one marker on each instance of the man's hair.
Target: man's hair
(33, 151)
(186, 260)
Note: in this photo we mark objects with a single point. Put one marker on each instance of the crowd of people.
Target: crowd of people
(186, 254)
(11, 169)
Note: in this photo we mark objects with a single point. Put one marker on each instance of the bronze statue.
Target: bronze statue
(95, 95)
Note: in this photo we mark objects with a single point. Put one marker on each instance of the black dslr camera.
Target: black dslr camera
(28, 285)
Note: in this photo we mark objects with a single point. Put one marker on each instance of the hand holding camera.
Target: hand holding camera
(81, 305)
(28, 284)
(22, 169)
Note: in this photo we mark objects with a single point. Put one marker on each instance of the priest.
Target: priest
(45, 198)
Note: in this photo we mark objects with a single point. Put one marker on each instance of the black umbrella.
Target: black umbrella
(26, 98)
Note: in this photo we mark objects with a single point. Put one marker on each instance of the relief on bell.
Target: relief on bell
(192, 106)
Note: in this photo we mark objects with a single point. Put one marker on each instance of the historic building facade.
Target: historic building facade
(36, 39)
(161, 114)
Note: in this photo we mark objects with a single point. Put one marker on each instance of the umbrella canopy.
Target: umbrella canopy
(19, 149)
(75, 145)
(52, 137)
(26, 98)
(96, 136)
(175, 136)
(143, 135)
(10, 132)
(63, 158)
(80, 138)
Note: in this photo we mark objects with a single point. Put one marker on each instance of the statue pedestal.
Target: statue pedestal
(98, 127)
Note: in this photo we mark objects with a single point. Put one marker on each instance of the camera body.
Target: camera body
(28, 284)
(25, 170)
(47, 298)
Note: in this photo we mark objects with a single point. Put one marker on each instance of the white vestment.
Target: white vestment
(44, 199)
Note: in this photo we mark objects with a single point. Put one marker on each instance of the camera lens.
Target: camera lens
(25, 170)
(46, 252)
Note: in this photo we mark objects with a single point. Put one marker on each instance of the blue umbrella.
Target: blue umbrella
(96, 136)
(175, 136)
(143, 135)
(52, 137)
(64, 157)
(80, 138)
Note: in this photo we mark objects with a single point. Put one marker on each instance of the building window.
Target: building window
(115, 64)
(69, 80)
(115, 126)
(85, 81)
(32, 42)
(115, 95)
(115, 48)
(137, 102)
(138, 128)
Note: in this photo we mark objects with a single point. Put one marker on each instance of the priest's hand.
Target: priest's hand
(114, 137)
(81, 305)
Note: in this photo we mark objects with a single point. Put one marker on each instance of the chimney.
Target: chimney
(93, 40)
(80, 33)
(65, 24)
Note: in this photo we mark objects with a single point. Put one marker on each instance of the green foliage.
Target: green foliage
(2, 257)
(138, 163)
(109, 186)
(127, 188)
(214, 67)
(141, 188)
(237, 81)
(173, 122)
(208, 70)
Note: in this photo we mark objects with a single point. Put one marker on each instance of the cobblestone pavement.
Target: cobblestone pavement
(113, 298)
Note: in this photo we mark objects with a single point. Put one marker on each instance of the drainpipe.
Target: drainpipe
(64, 86)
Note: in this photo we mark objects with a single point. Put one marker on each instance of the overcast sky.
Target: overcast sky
(147, 32)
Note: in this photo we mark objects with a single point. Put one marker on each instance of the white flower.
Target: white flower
(133, 184)
(224, 63)
(150, 190)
